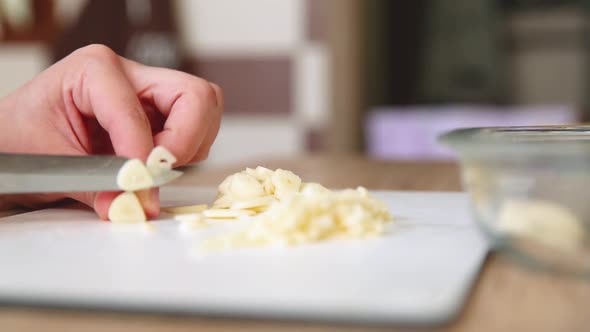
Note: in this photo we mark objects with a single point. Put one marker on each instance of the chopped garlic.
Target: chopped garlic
(133, 177)
(542, 221)
(283, 210)
(303, 219)
(243, 185)
(285, 183)
(227, 213)
(185, 209)
(260, 173)
(223, 202)
(257, 202)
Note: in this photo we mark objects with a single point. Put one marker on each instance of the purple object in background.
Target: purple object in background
(410, 133)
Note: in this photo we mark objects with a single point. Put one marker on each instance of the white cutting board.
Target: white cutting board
(420, 272)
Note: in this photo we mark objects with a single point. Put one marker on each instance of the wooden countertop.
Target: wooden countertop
(506, 297)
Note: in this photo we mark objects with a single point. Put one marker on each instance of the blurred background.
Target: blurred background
(375, 77)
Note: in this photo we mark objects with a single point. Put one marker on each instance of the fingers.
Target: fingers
(186, 127)
(205, 147)
(100, 89)
(119, 94)
(192, 108)
(190, 104)
(150, 199)
(103, 91)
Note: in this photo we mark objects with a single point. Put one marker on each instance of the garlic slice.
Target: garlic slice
(126, 208)
(134, 176)
(253, 203)
(223, 202)
(246, 186)
(185, 209)
(227, 213)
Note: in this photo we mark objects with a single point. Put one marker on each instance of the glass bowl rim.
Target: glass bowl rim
(542, 140)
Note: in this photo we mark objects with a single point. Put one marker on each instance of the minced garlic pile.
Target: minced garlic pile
(282, 210)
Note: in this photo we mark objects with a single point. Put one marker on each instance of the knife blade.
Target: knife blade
(30, 173)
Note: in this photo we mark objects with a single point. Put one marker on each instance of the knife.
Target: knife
(31, 173)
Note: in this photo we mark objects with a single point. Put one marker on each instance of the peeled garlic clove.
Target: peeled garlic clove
(186, 209)
(126, 208)
(227, 213)
(285, 183)
(253, 203)
(134, 176)
(244, 185)
(160, 160)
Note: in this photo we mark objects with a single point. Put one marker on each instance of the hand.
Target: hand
(96, 102)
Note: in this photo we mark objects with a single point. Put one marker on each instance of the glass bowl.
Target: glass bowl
(529, 189)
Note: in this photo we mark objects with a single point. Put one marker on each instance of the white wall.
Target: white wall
(20, 63)
(258, 28)
(256, 138)
(241, 26)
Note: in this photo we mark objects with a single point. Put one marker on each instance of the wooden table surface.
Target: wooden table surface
(506, 297)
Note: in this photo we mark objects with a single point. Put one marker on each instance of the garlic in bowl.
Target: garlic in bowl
(529, 189)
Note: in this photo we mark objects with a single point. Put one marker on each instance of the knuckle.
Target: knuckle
(134, 115)
(219, 94)
(202, 155)
(203, 92)
(218, 89)
(184, 160)
(98, 53)
(211, 96)
(208, 95)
